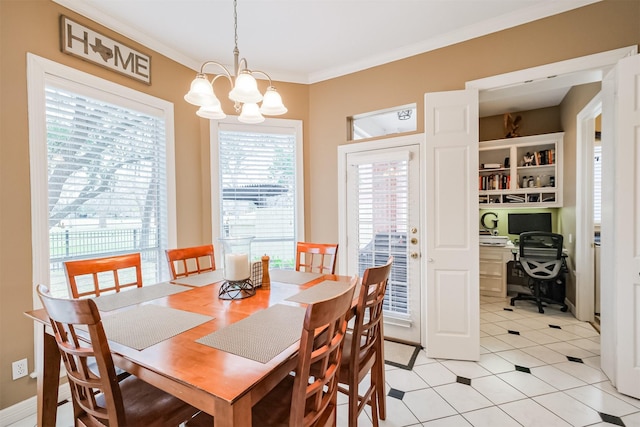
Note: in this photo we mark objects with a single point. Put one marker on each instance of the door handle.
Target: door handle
(414, 255)
(414, 241)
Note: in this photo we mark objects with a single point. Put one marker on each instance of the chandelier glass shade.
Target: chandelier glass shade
(244, 93)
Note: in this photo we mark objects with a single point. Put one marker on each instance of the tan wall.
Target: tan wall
(32, 26)
(599, 27)
(533, 122)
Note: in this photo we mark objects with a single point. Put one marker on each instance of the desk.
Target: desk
(219, 383)
(493, 270)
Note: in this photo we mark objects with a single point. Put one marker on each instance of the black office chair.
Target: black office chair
(541, 260)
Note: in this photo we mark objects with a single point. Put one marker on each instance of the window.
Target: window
(106, 187)
(382, 225)
(257, 181)
(383, 122)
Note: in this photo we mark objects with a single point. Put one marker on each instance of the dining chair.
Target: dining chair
(309, 396)
(192, 260)
(98, 397)
(316, 257)
(363, 348)
(123, 268)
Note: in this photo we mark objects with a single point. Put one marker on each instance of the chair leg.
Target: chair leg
(538, 300)
(353, 404)
(373, 399)
(379, 371)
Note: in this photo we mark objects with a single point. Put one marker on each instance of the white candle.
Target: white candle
(236, 267)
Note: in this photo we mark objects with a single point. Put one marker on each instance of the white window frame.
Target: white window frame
(39, 72)
(270, 125)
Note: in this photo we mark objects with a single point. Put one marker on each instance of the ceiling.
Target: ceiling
(307, 41)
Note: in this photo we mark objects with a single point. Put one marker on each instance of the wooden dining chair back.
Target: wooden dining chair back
(92, 277)
(316, 257)
(364, 348)
(309, 398)
(192, 260)
(98, 398)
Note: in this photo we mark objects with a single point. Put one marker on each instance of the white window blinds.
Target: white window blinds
(106, 183)
(597, 184)
(257, 176)
(383, 199)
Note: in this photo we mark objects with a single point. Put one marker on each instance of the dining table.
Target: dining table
(218, 355)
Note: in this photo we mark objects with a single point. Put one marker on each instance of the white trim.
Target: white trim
(39, 72)
(538, 11)
(503, 22)
(602, 60)
(585, 135)
(270, 125)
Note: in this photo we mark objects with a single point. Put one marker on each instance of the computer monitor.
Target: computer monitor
(523, 222)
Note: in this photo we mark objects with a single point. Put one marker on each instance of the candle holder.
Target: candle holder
(236, 253)
(236, 289)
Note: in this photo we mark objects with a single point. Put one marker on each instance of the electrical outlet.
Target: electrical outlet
(20, 369)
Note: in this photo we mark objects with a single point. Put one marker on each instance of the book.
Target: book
(491, 166)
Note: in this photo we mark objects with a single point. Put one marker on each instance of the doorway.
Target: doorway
(380, 206)
(520, 87)
(586, 218)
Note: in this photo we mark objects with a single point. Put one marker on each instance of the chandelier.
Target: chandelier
(244, 92)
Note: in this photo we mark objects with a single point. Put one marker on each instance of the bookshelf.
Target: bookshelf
(521, 172)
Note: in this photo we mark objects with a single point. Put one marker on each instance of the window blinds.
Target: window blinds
(106, 182)
(597, 184)
(383, 199)
(257, 175)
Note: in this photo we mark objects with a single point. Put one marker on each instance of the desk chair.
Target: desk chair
(193, 260)
(310, 397)
(316, 257)
(364, 349)
(122, 268)
(541, 260)
(97, 395)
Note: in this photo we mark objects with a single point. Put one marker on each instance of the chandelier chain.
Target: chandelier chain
(235, 22)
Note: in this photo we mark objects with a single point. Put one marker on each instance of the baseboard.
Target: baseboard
(29, 407)
(572, 307)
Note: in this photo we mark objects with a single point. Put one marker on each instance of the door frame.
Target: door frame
(585, 275)
(600, 60)
(380, 144)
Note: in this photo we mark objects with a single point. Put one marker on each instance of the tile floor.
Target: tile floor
(534, 370)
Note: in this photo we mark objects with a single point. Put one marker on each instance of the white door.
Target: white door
(383, 219)
(452, 255)
(621, 226)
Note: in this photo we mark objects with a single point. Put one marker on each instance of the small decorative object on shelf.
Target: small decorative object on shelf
(266, 280)
(511, 125)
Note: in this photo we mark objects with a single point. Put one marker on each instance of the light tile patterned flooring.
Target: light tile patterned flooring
(534, 370)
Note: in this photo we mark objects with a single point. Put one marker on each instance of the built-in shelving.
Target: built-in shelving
(521, 172)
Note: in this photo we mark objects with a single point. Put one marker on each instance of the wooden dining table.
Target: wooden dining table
(217, 382)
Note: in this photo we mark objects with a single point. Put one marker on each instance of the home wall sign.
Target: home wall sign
(89, 45)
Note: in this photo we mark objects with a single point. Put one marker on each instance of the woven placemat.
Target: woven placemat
(144, 326)
(320, 292)
(293, 277)
(261, 336)
(136, 296)
(202, 279)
